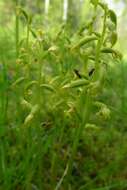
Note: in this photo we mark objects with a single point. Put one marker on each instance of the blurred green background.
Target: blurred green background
(50, 13)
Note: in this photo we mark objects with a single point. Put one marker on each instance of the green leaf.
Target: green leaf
(113, 17)
(84, 41)
(30, 84)
(113, 38)
(95, 2)
(107, 50)
(48, 87)
(33, 33)
(18, 81)
(77, 83)
(112, 51)
(24, 14)
(111, 25)
(103, 5)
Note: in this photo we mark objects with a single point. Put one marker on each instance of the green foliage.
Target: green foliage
(58, 126)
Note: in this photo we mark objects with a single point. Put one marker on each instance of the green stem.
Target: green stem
(28, 34)
(17, 29)
(99, 45)
(78, 132)
(27, 47)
